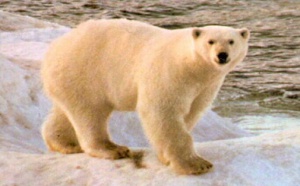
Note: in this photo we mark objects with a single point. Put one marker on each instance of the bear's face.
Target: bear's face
(221, 46)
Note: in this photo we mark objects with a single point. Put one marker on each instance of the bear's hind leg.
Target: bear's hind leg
(59, 134)
(90, 124)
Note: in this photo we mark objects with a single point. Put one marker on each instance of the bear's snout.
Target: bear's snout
(223, 57)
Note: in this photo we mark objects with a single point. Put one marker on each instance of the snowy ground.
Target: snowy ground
(271, 159)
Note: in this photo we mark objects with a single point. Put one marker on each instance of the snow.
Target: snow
(269, 160)
(238, 157)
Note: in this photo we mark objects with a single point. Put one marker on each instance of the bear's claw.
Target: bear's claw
(195, 165)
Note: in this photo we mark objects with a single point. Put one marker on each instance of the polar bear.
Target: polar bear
(170, 77)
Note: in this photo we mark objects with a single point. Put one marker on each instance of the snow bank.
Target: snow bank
(268, 159)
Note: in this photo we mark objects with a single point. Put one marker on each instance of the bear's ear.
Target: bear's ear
(196, 33)
(245, 33)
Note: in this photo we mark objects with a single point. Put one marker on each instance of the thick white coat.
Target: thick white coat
(169, 76)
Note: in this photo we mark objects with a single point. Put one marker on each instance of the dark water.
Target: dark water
(262, 94)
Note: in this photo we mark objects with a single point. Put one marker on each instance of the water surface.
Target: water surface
(262, 94)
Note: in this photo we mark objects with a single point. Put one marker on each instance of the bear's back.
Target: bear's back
(114, 28)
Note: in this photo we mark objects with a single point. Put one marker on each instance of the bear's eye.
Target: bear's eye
(211, 42)
(231, 42)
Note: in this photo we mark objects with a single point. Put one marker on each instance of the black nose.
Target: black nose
(222, 57)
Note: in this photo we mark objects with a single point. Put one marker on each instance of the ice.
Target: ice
(269, 160)
(238, 158)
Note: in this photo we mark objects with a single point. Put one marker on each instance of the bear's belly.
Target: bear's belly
(123, 99)
(125, 103)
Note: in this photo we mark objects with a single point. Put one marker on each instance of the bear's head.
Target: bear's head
(223, 47)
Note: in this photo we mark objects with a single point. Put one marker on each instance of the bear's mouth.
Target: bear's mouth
(222, 61)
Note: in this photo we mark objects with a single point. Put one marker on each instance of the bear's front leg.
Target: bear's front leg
(163, 121)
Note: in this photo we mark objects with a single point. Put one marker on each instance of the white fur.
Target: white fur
(169, 76)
